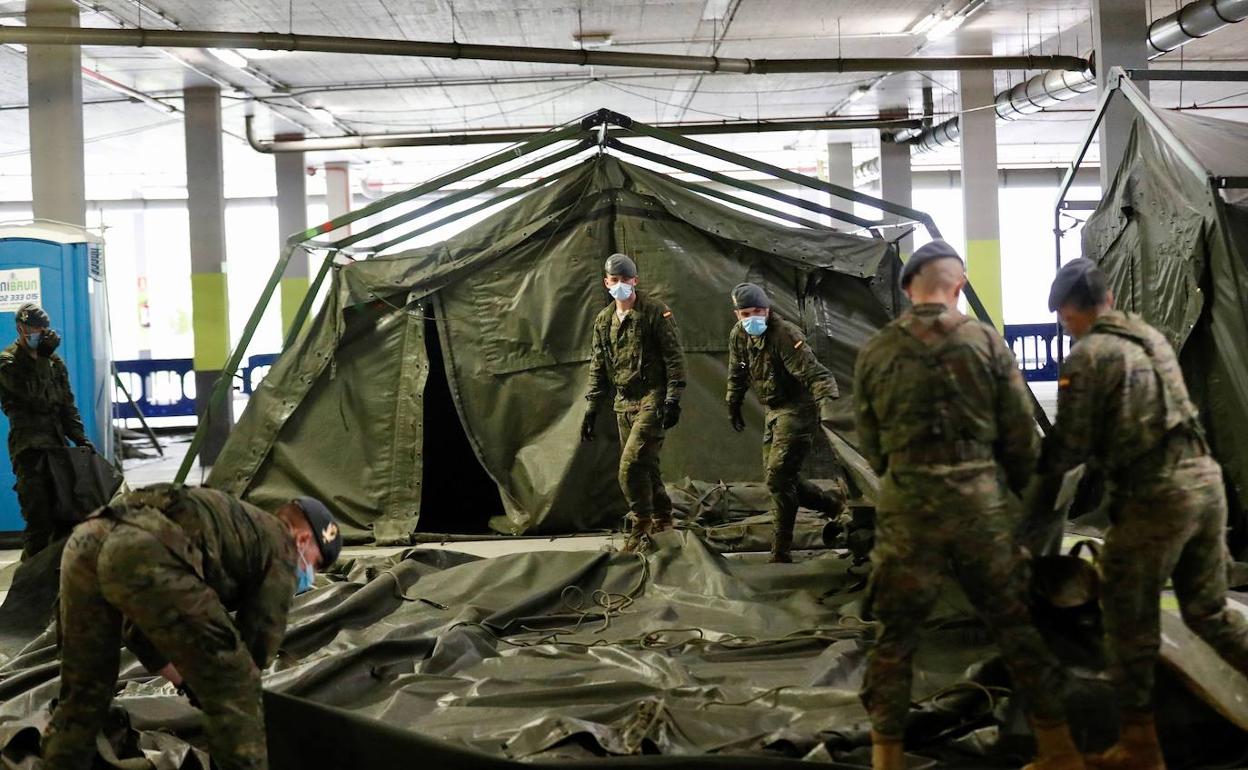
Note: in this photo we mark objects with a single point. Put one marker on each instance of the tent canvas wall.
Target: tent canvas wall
(1171, 232)
(341, 413)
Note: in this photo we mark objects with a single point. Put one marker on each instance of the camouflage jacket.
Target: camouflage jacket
(933, 380)
(1120, 392)
(779, 364)
(245, 554)
(35, 394)
(638, 356)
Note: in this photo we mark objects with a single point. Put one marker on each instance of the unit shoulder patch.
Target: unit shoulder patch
(797, 345)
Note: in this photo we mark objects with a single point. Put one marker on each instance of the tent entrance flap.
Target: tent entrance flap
(458, 496)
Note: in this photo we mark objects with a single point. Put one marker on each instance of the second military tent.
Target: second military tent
(450, 379)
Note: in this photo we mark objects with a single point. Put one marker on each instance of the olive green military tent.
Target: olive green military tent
(1171, 232)
(444, 386)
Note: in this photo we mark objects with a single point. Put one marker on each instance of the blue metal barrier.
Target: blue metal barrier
(1036, 348)
(166, 387)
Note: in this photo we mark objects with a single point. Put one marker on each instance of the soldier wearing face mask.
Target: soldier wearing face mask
(162, 569)
(637, 351)
(36, 397)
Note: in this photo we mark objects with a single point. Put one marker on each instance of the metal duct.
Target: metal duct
(1191, 22)
(272, 41)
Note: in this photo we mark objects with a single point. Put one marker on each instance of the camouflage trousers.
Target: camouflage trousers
(1171, 528)
(641, 440)
(934, 524)
(37, 499)
(112, 571)
(787, 440)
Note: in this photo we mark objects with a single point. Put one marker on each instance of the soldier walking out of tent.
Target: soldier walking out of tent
(1124, 409)
(769, 352)
(169, 564)
(35, 394)
(636, 350)
(944, 417)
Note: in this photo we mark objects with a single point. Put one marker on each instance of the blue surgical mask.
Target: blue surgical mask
(304, 575)
(754, 325)
(621, 291)
(34, 338)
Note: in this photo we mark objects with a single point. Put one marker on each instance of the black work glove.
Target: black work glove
(587, 425)
(185, 691)
(734, 414)
(49, 343)
(671, 414)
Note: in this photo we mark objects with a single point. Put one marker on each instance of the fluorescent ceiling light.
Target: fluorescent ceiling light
(857, 94)
(715, 10)
(230, 57)
(593, 39)
(944, 27)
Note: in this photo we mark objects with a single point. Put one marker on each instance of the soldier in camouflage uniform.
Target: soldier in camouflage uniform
(162, 569)
(770, 353)
(637, 351)
(1124, 409)
(944, 418)
(35, 394)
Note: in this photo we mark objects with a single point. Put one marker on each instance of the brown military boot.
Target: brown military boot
(780, 545)
(1137, 747)
(638, 540)
(1055, 749)
(887, 752)
(661, 523)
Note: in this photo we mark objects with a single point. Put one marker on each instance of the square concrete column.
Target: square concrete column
(1119, 37)
(980, 207)
(54, 92)
(841, 173)
(210, 307)
(338, 193)
(896, 182)
(292, 217)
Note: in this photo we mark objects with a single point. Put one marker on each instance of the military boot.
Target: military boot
(1055, 749)
(781, 542)
(661, 522)
(638, 540)
(887, 752)
(1137, 747)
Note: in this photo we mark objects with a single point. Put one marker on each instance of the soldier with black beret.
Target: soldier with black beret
(36, 396)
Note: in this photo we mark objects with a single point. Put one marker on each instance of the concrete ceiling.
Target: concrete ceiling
(371, 94)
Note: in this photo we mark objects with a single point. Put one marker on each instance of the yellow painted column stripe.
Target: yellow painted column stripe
(210, 321)
(983, 268)
(293, 291)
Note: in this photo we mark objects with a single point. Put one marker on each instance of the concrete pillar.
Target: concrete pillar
(896, 182)
(292, 217)
(841, 172)
(210, 307)
(1118, 39)
(980, 209)
(338, 192)
(54, 92)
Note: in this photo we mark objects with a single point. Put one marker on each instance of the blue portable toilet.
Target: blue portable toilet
(60, 267)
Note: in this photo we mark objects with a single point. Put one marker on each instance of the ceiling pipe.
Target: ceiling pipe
(272, 41)
(1191, 22)
(365, 142)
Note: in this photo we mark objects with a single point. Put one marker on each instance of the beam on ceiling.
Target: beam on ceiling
(272, 41)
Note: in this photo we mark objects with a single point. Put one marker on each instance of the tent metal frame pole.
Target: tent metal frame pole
(723, 196)
(741, 184)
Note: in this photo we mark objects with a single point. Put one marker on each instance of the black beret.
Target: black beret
(324, 528)
(1076, 275)
(928, 252)
(34, 316)
(621, 265)
(749, 295)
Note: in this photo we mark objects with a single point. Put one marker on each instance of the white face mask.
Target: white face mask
(621, 291)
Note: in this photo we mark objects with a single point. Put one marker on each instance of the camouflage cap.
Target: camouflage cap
(749, 295)
(324, 528)
(34, 316)
(928, 252)
(621, 265)
(1078, 275)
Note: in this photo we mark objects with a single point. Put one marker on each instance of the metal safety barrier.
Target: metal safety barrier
(1039, 349)
(165, 387)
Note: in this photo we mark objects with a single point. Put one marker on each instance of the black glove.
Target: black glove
(587, 425)
(734, 414)
(48, 343)
(185, 691)
(671, 414)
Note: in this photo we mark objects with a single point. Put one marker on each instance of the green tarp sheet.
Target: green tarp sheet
(1176, 252)
(470, 355)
